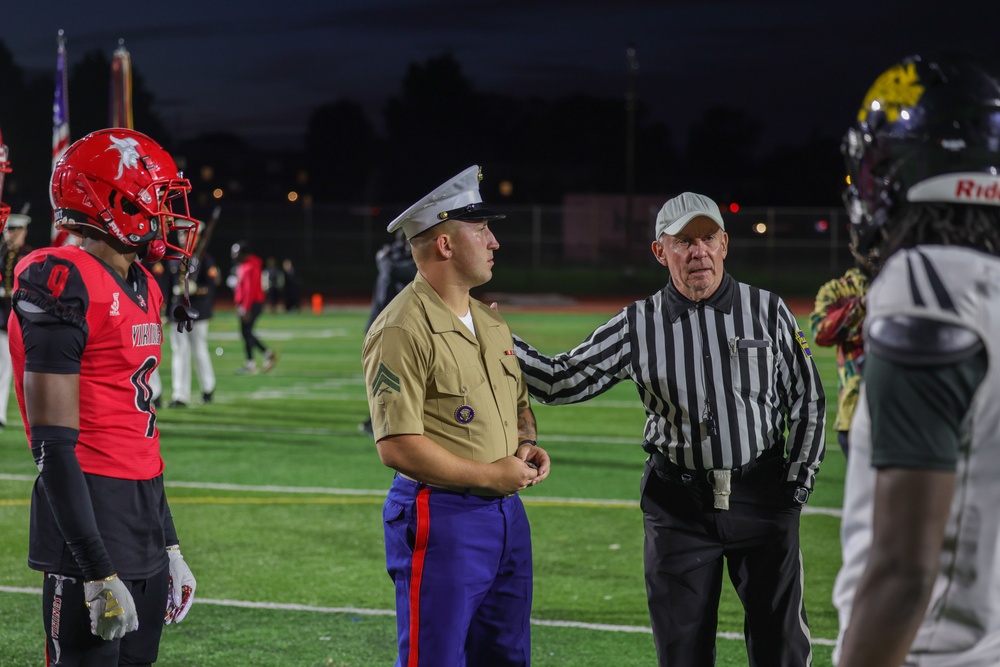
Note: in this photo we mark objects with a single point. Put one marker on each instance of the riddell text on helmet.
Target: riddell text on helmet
(963, 188)
(969, 189)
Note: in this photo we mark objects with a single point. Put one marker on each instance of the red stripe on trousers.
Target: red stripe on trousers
(417, 571)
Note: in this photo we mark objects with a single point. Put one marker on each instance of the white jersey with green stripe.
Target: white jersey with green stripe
(957, 286)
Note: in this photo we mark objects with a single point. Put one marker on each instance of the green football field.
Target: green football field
(277, 499)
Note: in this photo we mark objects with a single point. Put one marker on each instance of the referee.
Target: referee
(735, 425)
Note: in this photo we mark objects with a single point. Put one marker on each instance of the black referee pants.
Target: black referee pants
(687, 542)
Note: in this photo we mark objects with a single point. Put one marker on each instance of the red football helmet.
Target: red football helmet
(4, 169)
(124, 184)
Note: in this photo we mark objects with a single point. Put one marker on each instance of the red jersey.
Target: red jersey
(121, 322)
(249, 289)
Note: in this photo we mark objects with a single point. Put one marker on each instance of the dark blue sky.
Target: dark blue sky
(258, 68)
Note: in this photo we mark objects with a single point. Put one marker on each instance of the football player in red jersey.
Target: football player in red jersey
(84, 339)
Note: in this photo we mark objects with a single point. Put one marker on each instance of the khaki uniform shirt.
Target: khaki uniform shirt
(427, 374)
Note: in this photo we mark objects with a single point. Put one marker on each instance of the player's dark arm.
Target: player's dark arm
(53, 349)
(911, 510)
(169, 532)
(54, 431)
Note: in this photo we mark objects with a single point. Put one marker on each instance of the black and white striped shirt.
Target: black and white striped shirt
(721, 380)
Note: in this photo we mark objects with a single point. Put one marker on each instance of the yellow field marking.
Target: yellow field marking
(219, 500)
(367, 496)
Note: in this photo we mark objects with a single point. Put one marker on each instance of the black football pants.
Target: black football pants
(69, 642)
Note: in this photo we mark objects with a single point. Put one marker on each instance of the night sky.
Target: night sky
(257, 68)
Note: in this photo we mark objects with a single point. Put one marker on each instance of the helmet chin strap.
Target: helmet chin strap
(155, 250)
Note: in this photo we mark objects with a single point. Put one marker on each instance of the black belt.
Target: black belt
(456, 491)
(670, 471)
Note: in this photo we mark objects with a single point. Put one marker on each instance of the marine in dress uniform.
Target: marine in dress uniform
(450, 414)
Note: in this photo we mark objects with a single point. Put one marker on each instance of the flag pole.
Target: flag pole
(60, 127)
(121, 88)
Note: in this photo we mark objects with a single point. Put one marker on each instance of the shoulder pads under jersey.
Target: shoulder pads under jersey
(917, 341)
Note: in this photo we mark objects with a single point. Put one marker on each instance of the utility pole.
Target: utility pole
(633, 65)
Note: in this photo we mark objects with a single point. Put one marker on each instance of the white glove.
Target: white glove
(180, 594)
(112, 611)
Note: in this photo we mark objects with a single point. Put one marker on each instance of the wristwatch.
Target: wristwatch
(800, 495)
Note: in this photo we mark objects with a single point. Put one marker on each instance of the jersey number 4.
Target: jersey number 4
(144, 394)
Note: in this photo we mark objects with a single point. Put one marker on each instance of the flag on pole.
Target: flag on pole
(60, 127)
(121, 88)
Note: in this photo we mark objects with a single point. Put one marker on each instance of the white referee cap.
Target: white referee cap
(456, 199)
(682, 209)
(18, 220)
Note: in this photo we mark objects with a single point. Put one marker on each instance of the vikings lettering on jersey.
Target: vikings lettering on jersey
(147, 334)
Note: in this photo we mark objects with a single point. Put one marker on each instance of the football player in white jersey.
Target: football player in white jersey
(920, 583)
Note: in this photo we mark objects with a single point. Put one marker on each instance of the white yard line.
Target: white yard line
(282, 606)
(319, 490)
(233, 428)
(282, 334)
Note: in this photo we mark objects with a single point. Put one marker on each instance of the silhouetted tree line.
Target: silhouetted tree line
(437, 124)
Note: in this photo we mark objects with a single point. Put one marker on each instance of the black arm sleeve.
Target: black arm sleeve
(66, 489)
(169, 532)
(51, 345)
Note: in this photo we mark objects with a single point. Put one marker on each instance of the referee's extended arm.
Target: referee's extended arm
(588, 370)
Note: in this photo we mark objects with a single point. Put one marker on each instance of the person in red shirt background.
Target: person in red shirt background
(248, 297)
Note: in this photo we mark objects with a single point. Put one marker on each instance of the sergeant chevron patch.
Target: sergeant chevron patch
(384, 380)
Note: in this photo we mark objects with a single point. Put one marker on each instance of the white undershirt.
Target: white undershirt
(467, 321)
